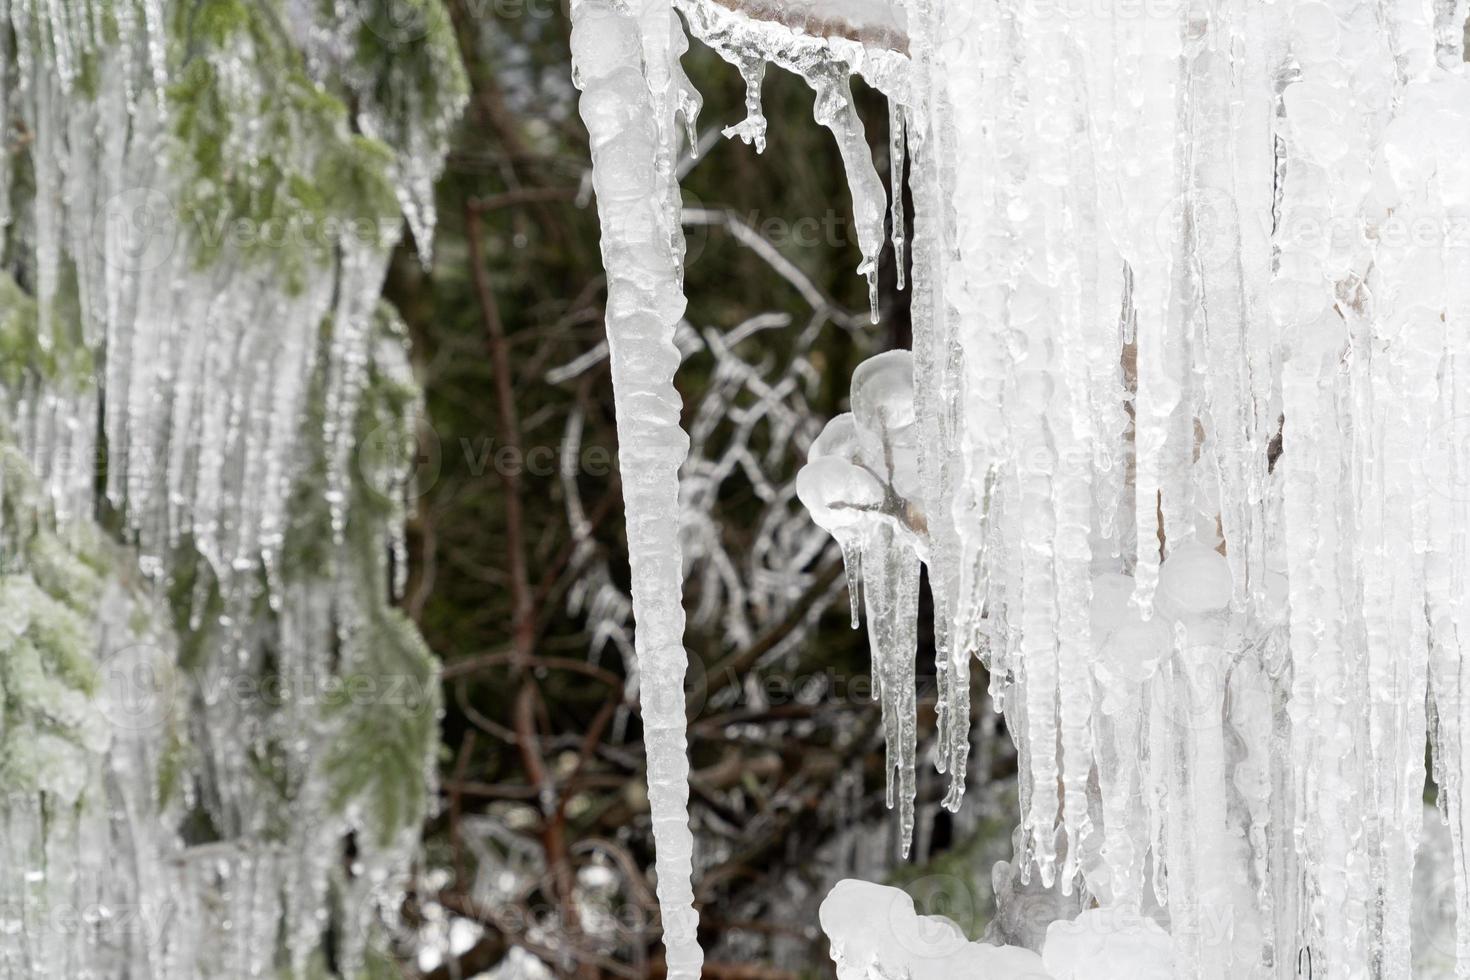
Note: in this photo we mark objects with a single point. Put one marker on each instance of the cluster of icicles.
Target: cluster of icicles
(1183, 440)
(201, 397)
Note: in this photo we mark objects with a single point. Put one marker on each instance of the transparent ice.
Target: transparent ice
(1182, 445)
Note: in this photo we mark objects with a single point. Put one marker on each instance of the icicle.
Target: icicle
(861, 484)
(1149, 59)
(833, 108)
(839, 440)
(625, 62)
(196, 358)
(924, 125)
(827, 66)
(1181, 219)
(752, 129)
(896, 141)
(892, 604)
(852, 564)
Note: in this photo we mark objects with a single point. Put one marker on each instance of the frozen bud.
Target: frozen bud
(839, 437)
(1194, 580)
(875, 931)
(1134, 650)
(1314, 115)
(883, 392)
(1108, 942)
(836, 493)
(1297, 301)
(1318, 31)
(1112, 602)
(902, 462)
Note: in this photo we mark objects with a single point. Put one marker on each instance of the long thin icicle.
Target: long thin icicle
(626, 63)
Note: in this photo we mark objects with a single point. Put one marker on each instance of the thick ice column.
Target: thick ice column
(625, 62)
(1421, 286)
(1149, 174)
(1325, 773)
(1066, 218)
(1448, 571)
(1129, 653)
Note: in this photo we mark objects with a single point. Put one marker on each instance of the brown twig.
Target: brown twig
(522, 622)
(737, 665)
(524, 195)
(456, 842)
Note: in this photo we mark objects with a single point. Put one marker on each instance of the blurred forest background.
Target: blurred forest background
(539, 857)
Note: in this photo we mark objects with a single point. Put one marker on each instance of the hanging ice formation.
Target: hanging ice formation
(217, 731)
(1183, 439)
(626, 62)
